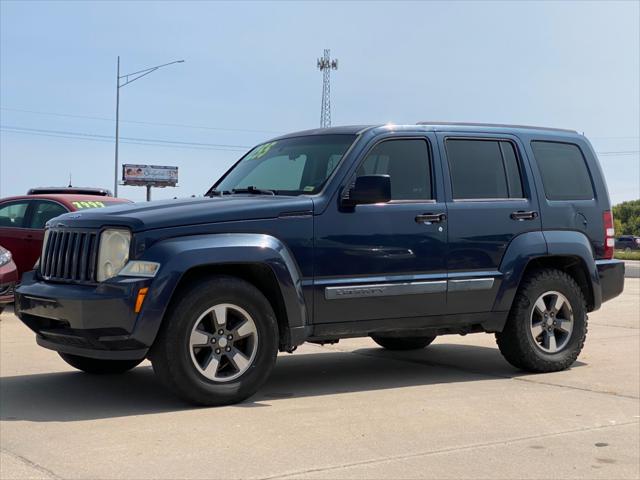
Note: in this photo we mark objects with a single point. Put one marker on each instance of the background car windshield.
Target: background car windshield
(291, 166)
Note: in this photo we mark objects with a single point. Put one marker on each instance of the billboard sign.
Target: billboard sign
(154, 175)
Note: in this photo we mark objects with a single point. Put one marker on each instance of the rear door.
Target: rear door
(490, 200)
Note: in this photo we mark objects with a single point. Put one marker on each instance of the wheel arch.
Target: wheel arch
(260, 259)
(259, 275)
(568, 251)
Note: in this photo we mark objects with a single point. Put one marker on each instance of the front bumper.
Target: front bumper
(89, 320)
(611, 275)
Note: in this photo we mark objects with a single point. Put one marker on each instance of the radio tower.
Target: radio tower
(325, 65)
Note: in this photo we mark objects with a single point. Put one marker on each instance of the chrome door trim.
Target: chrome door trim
(384, 289)
(470, 284)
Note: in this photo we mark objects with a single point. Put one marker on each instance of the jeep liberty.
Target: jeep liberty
(397, 232)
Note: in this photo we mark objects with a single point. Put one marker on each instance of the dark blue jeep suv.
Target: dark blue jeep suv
(401, 233)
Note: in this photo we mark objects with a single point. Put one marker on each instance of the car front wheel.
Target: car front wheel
(218, 343)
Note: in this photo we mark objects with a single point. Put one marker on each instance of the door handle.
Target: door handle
(522, 215)
(431, 218)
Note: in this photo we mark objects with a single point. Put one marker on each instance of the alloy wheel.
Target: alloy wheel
(551, 322)
(223, 342)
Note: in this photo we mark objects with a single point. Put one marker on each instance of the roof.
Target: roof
(70, 190)
(431, 126)
(494, 125)
(341, 130)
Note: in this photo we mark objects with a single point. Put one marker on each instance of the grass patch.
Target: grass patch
(632, 255)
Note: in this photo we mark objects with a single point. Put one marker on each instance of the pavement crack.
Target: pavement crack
(31, 464)
(444, 451)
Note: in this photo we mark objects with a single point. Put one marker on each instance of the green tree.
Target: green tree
(626, 216)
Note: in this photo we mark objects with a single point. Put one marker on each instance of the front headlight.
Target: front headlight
(113, 252)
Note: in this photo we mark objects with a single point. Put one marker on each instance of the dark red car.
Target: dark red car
(8, 277)
(22, 221)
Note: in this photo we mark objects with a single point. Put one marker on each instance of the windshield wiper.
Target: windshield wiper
(217, 193)
(254, 190)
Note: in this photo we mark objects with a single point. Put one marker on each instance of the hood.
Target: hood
(188, 211)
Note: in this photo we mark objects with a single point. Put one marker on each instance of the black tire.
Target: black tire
(171, 354)
(97, 366)
(402, 343)
(516, 342)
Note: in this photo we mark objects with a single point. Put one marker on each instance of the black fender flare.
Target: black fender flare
(180, 254)
(544, 244)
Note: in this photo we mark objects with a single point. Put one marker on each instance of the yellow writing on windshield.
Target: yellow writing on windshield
(88, 204)
(261, 151)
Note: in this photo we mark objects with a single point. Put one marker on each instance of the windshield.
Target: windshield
(291, 166)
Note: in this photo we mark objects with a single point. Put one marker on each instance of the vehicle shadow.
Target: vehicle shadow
(74, 396)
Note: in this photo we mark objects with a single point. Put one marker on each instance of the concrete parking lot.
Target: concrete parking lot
(454, 410)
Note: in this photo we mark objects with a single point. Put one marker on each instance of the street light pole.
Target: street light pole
(119, 85)
(115, 173)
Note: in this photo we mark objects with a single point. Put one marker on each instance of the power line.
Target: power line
(179, 143)
(625, 152)
(128, 140)
(137, 122)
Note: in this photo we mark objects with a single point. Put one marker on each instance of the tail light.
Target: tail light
(609, 232)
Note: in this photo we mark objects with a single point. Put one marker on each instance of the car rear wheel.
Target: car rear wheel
(218, 343)
(547, 325)
(402, 343)
(98, 366)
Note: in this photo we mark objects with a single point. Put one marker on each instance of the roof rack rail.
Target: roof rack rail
(474, 124)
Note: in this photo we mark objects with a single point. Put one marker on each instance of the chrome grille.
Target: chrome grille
(69, 255)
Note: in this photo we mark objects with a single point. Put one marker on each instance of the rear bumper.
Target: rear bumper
(611, 275)
(89, 320)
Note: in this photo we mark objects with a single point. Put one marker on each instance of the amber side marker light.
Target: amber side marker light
(140, 299)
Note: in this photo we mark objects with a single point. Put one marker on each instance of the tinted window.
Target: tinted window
(290, 166)
(407, 164)
(45, 211)
(514, 182)
(563, 170)
(483, 169)
(12, 214)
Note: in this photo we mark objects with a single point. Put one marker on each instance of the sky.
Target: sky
(250, 74)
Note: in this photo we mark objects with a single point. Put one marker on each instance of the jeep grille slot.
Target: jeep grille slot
(70, 256)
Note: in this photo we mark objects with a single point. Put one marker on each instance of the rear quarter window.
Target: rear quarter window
(564, 171)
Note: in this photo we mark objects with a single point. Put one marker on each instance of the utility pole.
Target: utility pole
(325, 65)
(121, 81)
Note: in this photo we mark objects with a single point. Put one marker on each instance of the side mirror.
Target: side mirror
(370, 189)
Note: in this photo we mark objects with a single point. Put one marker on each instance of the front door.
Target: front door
(385, 261)
(490, 201)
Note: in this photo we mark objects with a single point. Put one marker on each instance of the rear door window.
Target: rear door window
(43, 212)
(483, 169)
(12, 215)
(564, 171)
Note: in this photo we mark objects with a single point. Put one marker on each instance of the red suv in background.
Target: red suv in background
(22, 221)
